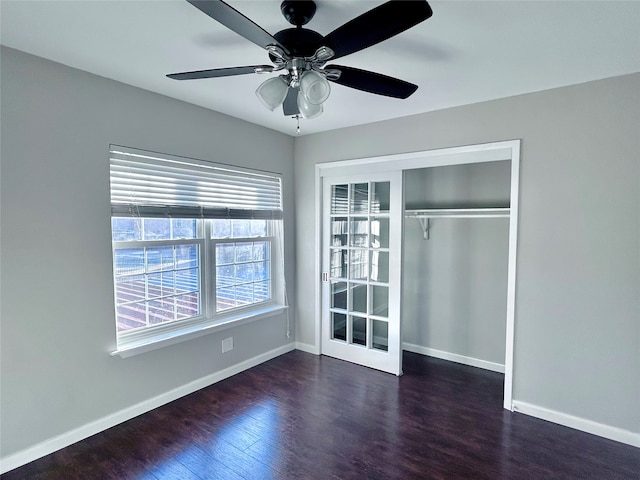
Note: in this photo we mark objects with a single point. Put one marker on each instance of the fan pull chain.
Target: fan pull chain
(298, 128)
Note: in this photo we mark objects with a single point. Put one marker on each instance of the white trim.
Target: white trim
(65, 439)
(453, 357)
(511, 275)
(194, 330)
(318, 264)
(486, 152)
(305, 347)
(589, 426)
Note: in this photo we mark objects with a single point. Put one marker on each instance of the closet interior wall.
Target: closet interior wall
(454, 296)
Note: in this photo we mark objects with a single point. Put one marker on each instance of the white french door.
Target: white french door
(361, 278)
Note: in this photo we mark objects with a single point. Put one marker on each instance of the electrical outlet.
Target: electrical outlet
(227, 344)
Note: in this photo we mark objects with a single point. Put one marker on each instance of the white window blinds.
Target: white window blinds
(145, 184)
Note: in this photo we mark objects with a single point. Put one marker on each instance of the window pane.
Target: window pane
(187, 280)
(157, 229)
(246, 267)
(244, 294)
(259, 228)
(225, 298)
(129, 261)
(159, 258)
(261, 270)
(225, 276)
(186, 256)
(260, 251)
(187, 305)
(130, 288)
(244, 273)
(244, 252)
(161, 311)
(126, 228)
(220, 228)
(131, 316)
(261, 291)
(184, 228)
(161, 284)
(240, 228)
(225, 253)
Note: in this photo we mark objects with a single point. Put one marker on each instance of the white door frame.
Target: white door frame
(487, 152)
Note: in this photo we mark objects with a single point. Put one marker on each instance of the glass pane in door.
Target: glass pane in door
(380, 197)
(339, 232)
(340, 199)
(359, 198)
(358, 298)
(339, 295)
(339, 263)
(359, 330)
(339, 326)
(359, 230)
(358, 265)
(380, 232)
(380, 301)
(380, 335)
(379, 267)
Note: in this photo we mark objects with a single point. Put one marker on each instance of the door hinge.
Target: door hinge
(325, 277)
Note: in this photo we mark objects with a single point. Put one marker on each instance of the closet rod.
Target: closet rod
(425, 215)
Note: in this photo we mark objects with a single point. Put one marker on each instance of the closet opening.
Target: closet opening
(456, 262)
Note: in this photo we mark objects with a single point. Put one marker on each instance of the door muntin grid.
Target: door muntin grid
(359, 264)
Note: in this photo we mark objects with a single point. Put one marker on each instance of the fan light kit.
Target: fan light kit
(301, 54)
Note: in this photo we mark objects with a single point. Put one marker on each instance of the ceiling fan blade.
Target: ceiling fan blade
(377, 25)
(290, 104)
(372, 82)
(220, 72)
(237, 22)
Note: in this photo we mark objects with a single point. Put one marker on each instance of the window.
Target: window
(194, 244)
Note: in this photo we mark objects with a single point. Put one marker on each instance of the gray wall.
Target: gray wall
(577, 327)
(454, 296)
(57, 292)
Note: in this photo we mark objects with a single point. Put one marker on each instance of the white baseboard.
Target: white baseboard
(65, 439)
(589, 426)
(453, 357)
(307, 347)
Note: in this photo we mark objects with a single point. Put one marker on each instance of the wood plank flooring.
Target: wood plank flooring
(300, 416)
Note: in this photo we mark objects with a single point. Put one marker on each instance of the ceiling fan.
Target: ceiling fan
(301, 54)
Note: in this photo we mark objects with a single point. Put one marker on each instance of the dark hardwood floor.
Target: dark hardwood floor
(308, 417)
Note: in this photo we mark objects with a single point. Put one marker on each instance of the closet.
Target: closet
(455, 262)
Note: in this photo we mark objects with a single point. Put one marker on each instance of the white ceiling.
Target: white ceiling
(468, 52)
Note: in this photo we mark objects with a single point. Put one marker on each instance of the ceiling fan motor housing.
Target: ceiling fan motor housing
(301, 42)
(298, 12)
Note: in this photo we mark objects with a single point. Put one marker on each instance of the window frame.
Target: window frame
(151, 337)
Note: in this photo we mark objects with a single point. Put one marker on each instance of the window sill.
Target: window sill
(189, 332)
